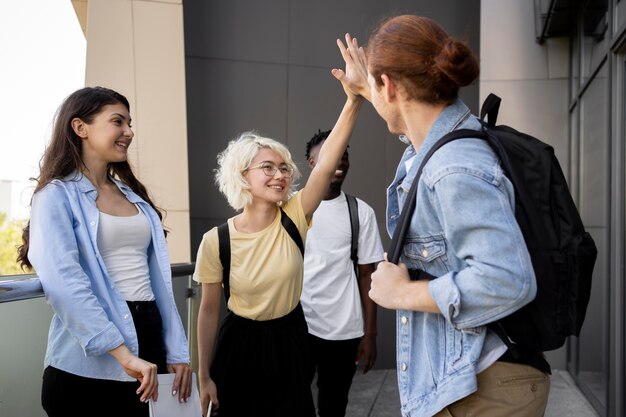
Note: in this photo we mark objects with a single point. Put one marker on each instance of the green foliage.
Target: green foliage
(10, 238)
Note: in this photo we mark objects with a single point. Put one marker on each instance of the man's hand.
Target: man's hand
(392, 288)
(367, 352)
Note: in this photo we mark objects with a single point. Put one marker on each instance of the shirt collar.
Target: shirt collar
(450, 119)
(85, 186)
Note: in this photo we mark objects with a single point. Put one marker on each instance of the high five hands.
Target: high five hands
(354, 78)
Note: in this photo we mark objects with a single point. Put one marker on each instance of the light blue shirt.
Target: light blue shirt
(464, 233)
(90, 315)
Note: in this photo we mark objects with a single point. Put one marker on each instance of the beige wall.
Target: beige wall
(137, 48)
(531, 79)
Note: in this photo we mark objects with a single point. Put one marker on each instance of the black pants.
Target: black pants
(334, 361)
(260, 367)
(65, 394)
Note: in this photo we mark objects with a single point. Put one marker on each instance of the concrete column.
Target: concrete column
(136, 47)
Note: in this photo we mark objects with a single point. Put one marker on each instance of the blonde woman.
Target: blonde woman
(262, 354)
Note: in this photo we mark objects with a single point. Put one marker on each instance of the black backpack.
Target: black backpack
(563, 254)
(223, 237)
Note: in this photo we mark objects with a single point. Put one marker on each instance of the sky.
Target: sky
(42, 61)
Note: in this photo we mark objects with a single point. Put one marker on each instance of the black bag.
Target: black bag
(563, 254)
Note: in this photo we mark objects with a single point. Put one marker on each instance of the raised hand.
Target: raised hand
(354, 78)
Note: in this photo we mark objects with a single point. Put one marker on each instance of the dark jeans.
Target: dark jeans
(68, 395)
(65, 394)
(334, 361)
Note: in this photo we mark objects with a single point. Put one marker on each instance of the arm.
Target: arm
(329, 157)
(335, 145)
(208, 318)
(497, 276)
(176, 344)
(145, 372)
(494, 280)
(355, 77)
(367, 347)
(54, 252)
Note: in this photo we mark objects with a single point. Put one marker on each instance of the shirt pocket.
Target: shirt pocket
(427, 253)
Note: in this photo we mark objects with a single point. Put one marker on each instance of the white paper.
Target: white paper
(168, 405)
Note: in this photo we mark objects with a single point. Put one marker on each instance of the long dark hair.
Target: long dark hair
(63, 155)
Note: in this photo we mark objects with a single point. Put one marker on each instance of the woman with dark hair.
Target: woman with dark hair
(463, 233)
(98, 246)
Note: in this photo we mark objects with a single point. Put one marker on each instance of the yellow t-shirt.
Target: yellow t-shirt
(265, 268)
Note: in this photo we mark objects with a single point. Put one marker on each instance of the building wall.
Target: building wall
(531, 79)
(265, 66)
(137, 48)
(596, 118)
(569, 91)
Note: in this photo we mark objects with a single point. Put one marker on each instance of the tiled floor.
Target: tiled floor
(376, 395)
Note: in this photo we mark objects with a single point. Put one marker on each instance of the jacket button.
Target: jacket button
(403, 366)
(533, 387)
(404, 320)
(126, 316)
(424, 252)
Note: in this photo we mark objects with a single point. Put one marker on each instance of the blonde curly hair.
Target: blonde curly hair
(236, 159)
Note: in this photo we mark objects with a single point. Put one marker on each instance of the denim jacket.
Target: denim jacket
(465, 234)
(90, 315)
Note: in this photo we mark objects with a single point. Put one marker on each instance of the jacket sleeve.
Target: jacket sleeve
(55, 254)
(479, 224)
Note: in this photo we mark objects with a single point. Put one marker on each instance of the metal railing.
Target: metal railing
(28, 286)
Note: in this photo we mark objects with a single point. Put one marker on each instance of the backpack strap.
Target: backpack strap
(397, 242)
(223, 236)
(353, 211)
(490, 109)
(291, 228)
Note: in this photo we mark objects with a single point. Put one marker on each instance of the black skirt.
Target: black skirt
(261, 367)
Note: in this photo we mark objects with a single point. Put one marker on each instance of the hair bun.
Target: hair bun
(456, 62)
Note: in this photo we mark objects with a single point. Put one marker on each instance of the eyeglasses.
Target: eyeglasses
(270, 169)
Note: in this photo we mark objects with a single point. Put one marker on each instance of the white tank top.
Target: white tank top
(123, 243)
